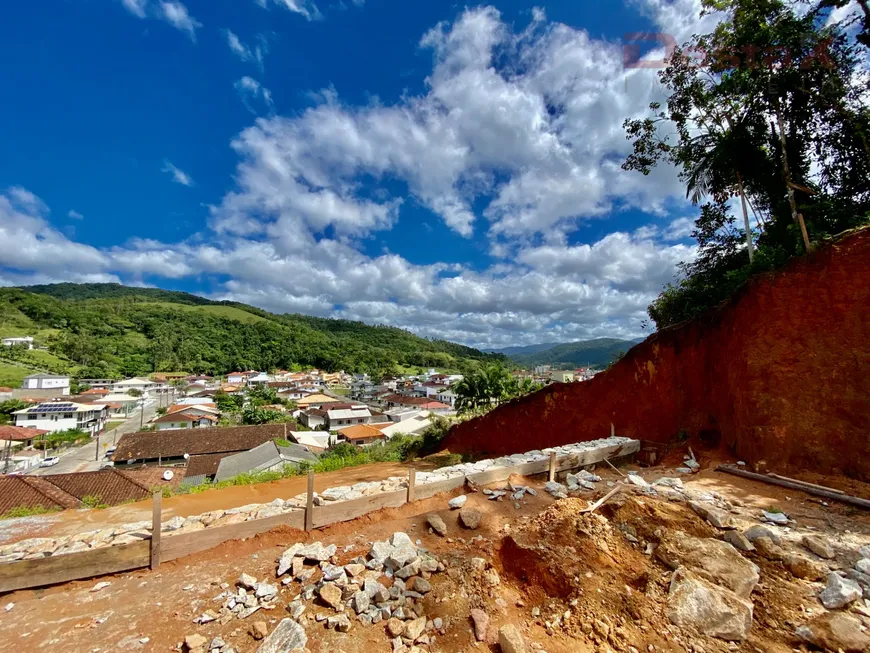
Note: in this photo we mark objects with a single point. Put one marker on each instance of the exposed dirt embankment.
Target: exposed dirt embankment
(782, 373)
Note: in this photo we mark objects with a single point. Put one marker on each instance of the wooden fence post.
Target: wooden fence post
(612, 430)
(412, 482)
(309, 505)
(552, 475)
(155, 529)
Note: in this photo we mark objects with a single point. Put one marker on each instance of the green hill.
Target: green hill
(595, 353)
(109, 330)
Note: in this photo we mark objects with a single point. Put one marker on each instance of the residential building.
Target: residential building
(26, 341)
(98, 384)
(62, 416)
(12, 437)
(58, 383)
(361, 435)
(542, 370)
(562, 376)
(185, 416)
(316, 400)
(199, 450)
(316, 441)
(413, 425)
(199, 399)
(259, 379)
(447, 397)
(262, 458)
(338, 415)
(136, 383)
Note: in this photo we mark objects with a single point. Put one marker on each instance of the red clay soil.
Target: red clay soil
(781, 373)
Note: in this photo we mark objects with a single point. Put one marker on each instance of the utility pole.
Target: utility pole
(142, 417)
(97, 453)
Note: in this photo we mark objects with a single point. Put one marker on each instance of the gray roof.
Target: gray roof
(262, 457)
(47, 376)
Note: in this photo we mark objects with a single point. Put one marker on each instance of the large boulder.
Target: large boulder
(287, 636)
(470, 518)
(694, 602)
(718, 562)
(834, 631)
(839, 592)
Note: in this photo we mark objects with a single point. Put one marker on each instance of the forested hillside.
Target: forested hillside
(597, 353)
(108, 330)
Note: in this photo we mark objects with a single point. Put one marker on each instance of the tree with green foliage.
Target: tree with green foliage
(8, 407)
(252, 414)
(487, 387)
(774, 119)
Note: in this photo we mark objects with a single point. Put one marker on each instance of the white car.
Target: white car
(50, 461)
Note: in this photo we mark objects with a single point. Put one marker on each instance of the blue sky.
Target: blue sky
(446, 168)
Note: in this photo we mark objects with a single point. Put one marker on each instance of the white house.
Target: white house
(57, 382)
(136, 383)
(446, 397)
(26, 341)
(61, 416)
(260, 379)
(411, 426)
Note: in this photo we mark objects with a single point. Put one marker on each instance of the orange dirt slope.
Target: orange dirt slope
(781, 373)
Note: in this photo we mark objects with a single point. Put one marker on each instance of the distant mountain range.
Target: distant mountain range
(597, 353)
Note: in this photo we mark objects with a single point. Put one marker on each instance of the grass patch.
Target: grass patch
(229, 312)
(27, 511)
(112, 425)
(13, 375)
(93, 501)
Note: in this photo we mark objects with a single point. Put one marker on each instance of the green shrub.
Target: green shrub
(27, 511)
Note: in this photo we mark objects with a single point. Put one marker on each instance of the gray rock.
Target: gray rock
(556, 489)
(715, 516)
(411, 569)
(510, 639)
(265, 591)
(400, 540)
(716, 561)
(470, 518)
(286, 560)
(754, 532)
(778, 518)
(863, 565)
(818, 545)
(710, 609)
(839, 592)
(738, 541)
(316, 551)
(457, 502)
(341, 622)
(287, 636)
(635, 479)
(247, 581)
(437, 524)
(360, 602)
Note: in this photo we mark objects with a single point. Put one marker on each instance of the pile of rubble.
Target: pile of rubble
(355, 591)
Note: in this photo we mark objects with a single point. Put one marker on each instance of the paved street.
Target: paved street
(81, 459)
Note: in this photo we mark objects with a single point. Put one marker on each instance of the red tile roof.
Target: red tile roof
(150, 445)
(110, 486)
(19, 433)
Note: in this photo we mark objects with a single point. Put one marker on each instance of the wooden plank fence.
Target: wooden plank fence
(152, 551)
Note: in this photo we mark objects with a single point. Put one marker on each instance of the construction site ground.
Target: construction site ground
(571, 582)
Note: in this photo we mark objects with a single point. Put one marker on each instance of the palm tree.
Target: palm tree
(719, 162)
